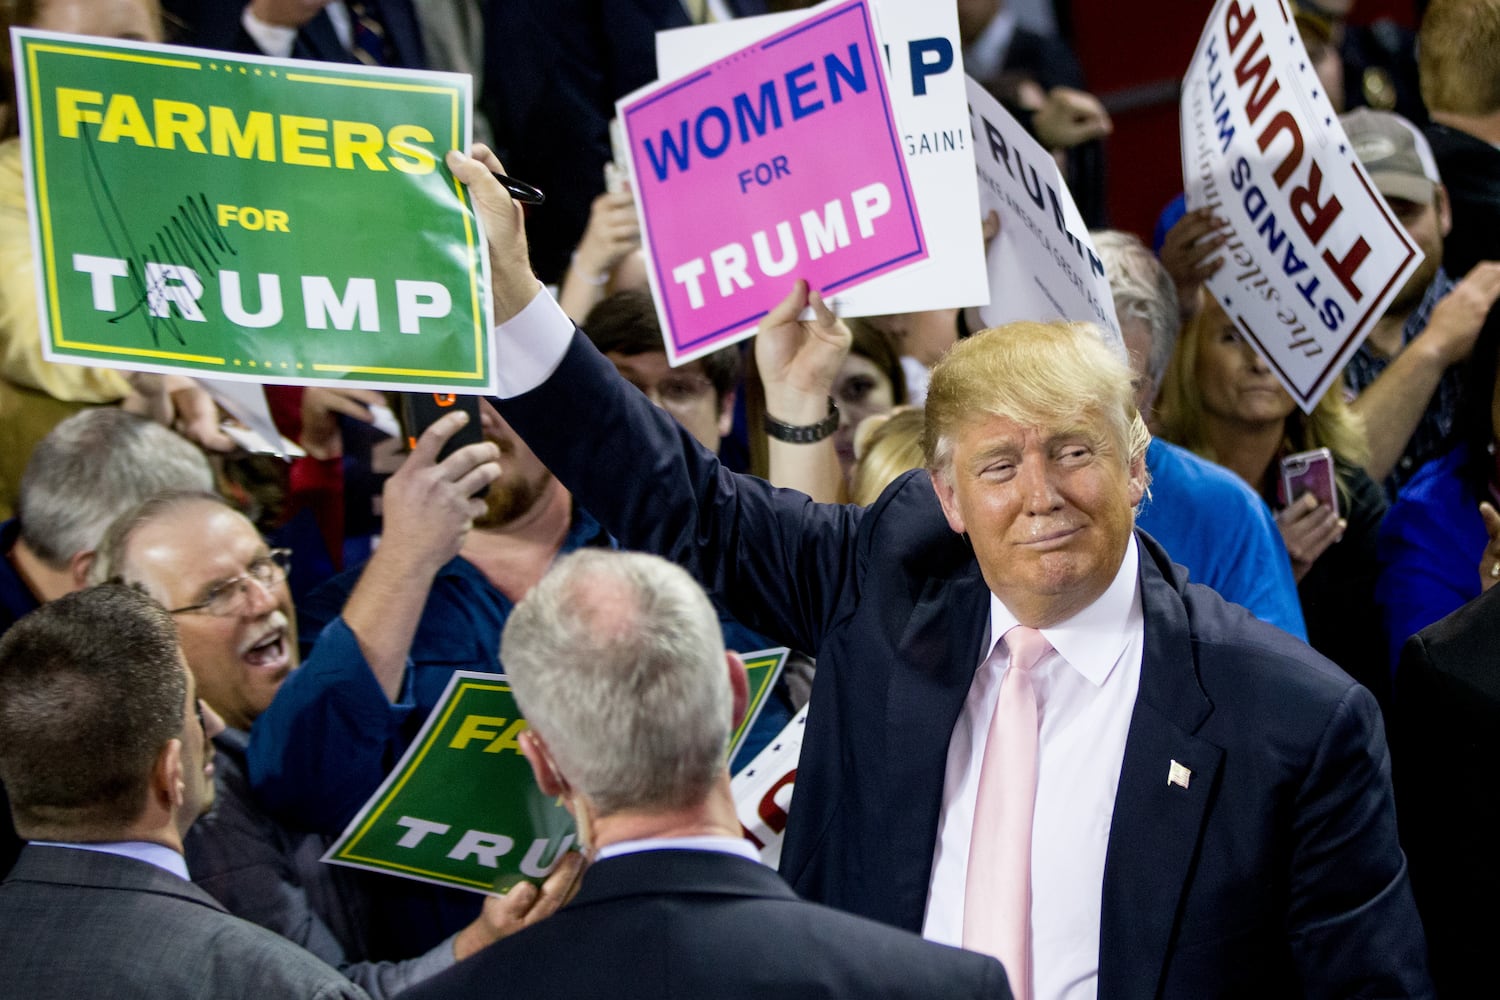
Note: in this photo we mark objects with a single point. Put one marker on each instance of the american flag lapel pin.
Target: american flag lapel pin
(1178, 775)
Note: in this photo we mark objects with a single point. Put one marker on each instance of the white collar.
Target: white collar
(719, 844)
(164, 858)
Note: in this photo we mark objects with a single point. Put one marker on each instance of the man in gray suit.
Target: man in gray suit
(619, 666)
(105, 750)
(197, 555)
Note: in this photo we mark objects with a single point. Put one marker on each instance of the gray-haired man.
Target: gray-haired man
(619, 665)
(87, 471)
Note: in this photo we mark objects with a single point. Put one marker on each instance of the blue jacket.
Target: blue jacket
(1429, 549)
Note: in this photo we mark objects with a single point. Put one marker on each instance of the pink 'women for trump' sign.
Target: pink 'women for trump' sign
(779, 162)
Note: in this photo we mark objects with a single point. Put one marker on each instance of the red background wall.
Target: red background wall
(1134, 54)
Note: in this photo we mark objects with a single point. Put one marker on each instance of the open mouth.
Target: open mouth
(270, 652)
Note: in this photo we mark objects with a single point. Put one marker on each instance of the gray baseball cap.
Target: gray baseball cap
(1394, 154)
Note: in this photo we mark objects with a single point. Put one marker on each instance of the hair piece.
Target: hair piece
(1054, 375)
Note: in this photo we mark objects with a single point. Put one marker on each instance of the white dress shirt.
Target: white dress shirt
(530, 345)
(1086, 690)
(164, 858)
(708, 842)
(278, 40)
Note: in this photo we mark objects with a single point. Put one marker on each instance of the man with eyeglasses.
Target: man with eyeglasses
(99, 902)
(227, 591)
(700, 394)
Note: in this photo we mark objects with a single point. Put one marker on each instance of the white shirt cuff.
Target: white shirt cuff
(530, 345)
(271, 39)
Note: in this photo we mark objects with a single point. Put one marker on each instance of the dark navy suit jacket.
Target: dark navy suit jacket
(692, 924)
(1276, 872)
(1446, 733)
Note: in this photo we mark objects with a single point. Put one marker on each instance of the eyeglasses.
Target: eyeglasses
(677, 393)
(228, 597)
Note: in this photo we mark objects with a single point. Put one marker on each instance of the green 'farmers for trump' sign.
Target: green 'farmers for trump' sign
(251, 218)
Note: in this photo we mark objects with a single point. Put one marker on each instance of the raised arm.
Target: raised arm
(1392, 405)
(798, 363)
(780, 563)
(347, 695)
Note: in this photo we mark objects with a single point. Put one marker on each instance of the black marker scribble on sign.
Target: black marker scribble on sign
(189, 237)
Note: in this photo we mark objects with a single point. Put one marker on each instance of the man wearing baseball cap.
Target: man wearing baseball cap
(1405, 375)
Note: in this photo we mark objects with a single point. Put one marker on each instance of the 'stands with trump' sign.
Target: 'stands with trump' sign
(1315, 254)
(251, 218)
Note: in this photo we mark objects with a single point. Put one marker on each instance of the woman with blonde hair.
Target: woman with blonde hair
(1222, 401)
(885, 446)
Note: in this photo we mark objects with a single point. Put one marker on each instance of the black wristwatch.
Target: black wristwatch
(804, 433)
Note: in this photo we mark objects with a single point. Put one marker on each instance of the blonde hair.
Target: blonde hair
(885, 446)
(1054, 375)
(1180, 411)
(1458, 56)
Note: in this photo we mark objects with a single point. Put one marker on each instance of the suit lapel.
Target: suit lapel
(1157, 822)
(317, 40)
(930, 678)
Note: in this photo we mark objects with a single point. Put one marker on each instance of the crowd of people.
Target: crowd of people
(1096, 702)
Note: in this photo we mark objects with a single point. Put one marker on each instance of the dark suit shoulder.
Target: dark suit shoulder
(906, 527)
(1248, 671)
(1227, 636)
(721, 927)
(1464, 642)
(84, 918)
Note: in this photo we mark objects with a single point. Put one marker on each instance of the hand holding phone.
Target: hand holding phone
(420, 410)
(1310, 522)
(1311, 472)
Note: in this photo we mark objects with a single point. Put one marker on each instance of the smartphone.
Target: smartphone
(1311, 472)
(420, 410)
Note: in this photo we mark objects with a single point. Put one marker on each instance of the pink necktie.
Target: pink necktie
(997, 892)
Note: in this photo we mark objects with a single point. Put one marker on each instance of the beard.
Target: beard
(509, 498)
(1415, 288)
